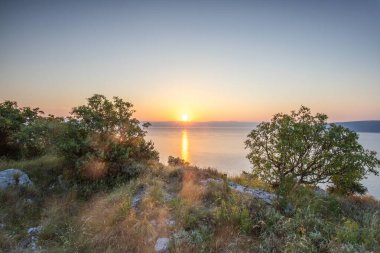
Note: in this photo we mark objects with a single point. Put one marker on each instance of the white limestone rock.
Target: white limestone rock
(162, 244)
(265, 196)
(11, 177)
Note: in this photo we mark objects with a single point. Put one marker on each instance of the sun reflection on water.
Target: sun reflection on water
(184, 146)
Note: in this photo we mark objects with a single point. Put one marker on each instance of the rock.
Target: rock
(12, 177)
(168, 197)
(162, 244)
(289, 209)
(2, 225)
(34, 230)
(33, 244)
(209, 180)
(265, 196)
(33, 233)
(31, 241)
(24, 243)
(138, 197)
(320, 192)
(153, 223)
(29, 201)
(170, 223)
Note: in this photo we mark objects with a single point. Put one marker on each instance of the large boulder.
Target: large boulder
(11, 177)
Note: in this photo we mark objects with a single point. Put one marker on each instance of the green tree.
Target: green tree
(102, 139)
(39, 136)
(12, 119)
(308, 150)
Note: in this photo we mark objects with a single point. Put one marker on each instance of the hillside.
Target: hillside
(368, 126)
(179, 209)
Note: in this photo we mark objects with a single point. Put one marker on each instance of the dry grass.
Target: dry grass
(109, 223)
(94, 169)
(191, 191)
(228, 238)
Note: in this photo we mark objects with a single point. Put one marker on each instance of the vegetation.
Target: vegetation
(131, 199)
(176, 161)
(305, 149)
(24, 133)
(103, 140)
(175, 202)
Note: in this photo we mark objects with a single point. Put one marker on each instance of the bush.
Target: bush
(12, 120)
(176, 161)
(25, 133)
(306, 149)
(103, 140)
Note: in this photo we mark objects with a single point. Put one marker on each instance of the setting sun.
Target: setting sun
(185, 117)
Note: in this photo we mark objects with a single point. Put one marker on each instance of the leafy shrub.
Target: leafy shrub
(176, 161)
(25, 133)
(103, 140)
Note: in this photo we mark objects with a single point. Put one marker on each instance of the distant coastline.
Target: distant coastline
(206, 124)
(365, 126)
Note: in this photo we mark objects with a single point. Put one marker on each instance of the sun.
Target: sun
(185, 117)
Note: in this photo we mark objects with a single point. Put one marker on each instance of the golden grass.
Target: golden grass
(109, 223)
(94, 169)
(191, 192)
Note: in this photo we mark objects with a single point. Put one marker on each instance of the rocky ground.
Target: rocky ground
(178, 209)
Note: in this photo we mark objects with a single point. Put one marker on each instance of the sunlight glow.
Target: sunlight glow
(185, 117)
(184, 146)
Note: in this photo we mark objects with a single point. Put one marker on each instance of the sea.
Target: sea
(223, 148)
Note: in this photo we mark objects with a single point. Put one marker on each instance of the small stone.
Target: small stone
(29, 201)
(138, 197)
(34, 230)
(162, 244)
(320, 192)
(33, 244)
(289, 209)
(170, 222)
(168, 197)
(153, 223)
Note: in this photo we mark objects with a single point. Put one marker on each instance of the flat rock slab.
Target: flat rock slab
(11, 177)
(265, 196)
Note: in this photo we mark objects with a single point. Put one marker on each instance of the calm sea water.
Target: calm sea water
(223, 148)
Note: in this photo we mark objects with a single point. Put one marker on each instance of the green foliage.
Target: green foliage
(309, 150)
(196, 240)
(176, 161)
(39, 137)
(21, 131)
(103, 140)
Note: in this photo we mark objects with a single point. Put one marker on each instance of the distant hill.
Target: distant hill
(368, 126)
(204, 124)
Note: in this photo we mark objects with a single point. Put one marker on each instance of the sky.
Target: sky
(212, 60)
